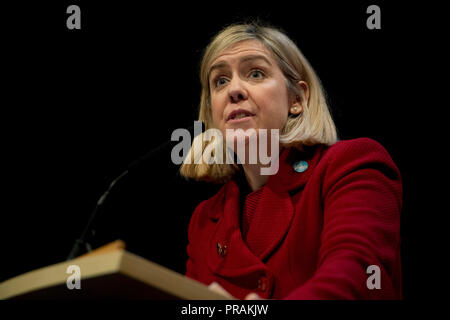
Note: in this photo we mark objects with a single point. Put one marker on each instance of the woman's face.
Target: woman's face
(248, 90)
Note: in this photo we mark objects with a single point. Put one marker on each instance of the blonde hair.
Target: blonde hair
(315, 124)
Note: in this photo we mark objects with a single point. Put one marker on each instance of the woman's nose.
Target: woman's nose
(237, 91)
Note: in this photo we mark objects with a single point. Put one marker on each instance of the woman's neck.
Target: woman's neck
(253, 176)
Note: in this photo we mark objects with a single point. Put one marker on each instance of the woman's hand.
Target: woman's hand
(214, 286)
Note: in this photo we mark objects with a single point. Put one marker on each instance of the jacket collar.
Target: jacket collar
(272, 219)
(285, 180)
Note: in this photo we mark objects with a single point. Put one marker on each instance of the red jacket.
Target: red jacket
(319, 230)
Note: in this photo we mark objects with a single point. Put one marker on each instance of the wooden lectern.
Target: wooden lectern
(108, 272)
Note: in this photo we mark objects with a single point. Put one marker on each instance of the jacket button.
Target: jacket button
(300, 166)
(262, 284)
(221, 249)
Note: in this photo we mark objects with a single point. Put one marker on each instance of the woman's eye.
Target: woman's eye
(256, 74)
(220, 82)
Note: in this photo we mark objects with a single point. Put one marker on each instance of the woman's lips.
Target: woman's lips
(240, 120)
(239, 115)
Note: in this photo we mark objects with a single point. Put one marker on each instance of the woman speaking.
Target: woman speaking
(326, 223)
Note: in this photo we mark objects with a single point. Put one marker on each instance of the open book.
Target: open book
(109, 272)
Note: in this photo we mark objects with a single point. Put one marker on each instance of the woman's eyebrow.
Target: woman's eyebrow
(223, 64)
(219, 65)
(255, 57)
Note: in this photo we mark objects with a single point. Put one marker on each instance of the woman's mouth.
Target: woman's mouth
(239, 115)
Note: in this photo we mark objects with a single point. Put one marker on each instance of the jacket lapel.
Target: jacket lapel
(232, 258)
(228, 254)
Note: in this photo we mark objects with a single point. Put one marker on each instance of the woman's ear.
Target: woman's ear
(300, 101)
(305, 92)
(296, 106)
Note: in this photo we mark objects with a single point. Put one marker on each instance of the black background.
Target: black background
(80, 105)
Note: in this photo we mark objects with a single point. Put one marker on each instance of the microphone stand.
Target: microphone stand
(81, 242)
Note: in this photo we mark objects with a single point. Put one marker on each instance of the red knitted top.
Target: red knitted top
(247, 214)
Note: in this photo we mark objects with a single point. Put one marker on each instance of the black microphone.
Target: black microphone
(81, 242)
